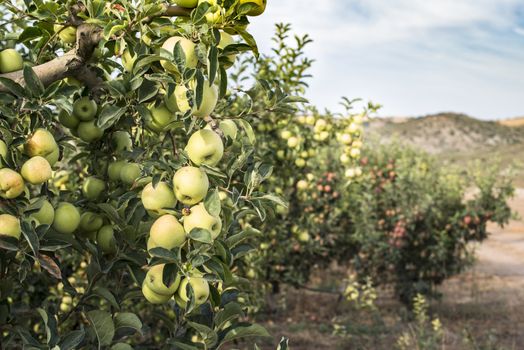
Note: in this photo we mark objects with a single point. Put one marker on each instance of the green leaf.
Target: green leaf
(209, 336)
(31, 237)
(249, 130)
(72, 340)
(212, 64)
(32, 82)
(212, 203)
(107, 295)
(230, 312)
(199, 91)
(121, 346)
(183, 346)
(128, 320)
(254, 330)
(29, 33)
(103, 325)
(8, 243)
(147, 90)
(222, 91)
(50, 327)
(201, 235)
(109, 115)
(164, 254)
(14, 88)
(284, 344)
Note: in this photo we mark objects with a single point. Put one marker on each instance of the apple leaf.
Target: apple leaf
(103, 326)
(72, 340)
(128, 320)
(230, 312)
(50, 327)
(109, 115)
(212, 64)
(32, 82)
(212, 203)
(121, 346)
(201, 235)
(244, 332)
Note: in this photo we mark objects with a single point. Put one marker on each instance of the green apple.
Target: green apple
(304, 237)
(346, 139)
(129, 173)
(229, 128)
(41, 143)
(67, 35)
(189, 4)
(92, 188)
(122, 141)
(158, 198)
(151, 244)
(68, 120)
(10, 61)
(11, 184)
(85, 109)
(89, 132)
(299, 162)
(189, 49)
(205, 147)
(209, 99)
(200, 289)
(345, 159)
(153, 297)
(226, 40)
(3, 152)
(161, 117)
(53, 157)
(258, 10)
(45, 215)
(293, 142)
(216, 14)
(36, 170)
(128, 60)
(310, 120)
(67, 218)
(114, 169)
(167, 232)
(154, 280)
(90, 222)
(106, 239)
(200, 218)
(302, 185)
(286, 134)
(10, 226)
(190, 185)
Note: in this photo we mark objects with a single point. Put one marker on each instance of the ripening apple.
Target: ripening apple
(129, 173)
(41, 143)
(190, 185)
(10, 61)
(346, 139)
(67, 35)
(355, 152)
(209, 99)
(45, 215)
(155, 281)
(205, 147)
(160, 118)
(200, 289)
(106, 239)
(128, 60)
(121, 141)
(345, 159)
(188, 4)
(304, 237)
(90, 222)
(89, 132)
(36, 170)
(286, 134)
(153, 297)
(200, 218)
(85, 109)
(3, 153)
(158, 198)
(67, 218)
(151, 244)
(11, 184)
(92, 188)
(310, 120)
(299, 162)
(114, 169)
(68, 120)
(302, 185)
(167, 232)
(10, 226)
(216, 11)
(189, 49)
(293, 142)
(258, 10)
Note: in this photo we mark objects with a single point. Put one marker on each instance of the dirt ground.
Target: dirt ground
(481, 309)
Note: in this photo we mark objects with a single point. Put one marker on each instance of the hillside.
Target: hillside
(448, 133)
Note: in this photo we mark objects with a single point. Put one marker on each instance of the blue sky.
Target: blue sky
(414, 57)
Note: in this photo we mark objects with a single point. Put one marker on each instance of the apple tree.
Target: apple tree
(116, 166)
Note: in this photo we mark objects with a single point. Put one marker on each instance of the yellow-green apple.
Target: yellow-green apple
(228, 127)
(154, 280)
(302, 185)
(258, 9)
(11, 184)
(200, 289)
(85, 109)
(41, 143)
(166, 232)
(93, 187)
(106, 239)
(209, 99)
(189, 4)
(216, 11)
(345, 159)
(153, 297)
(36, 170)
(190, 185)
(122, 141)
(90, 222)
(188, 47)
(67, 218)
(320, 125)
(3, 152)
(10, 226)
(160, 118)
(286, 134)
(200, 218)
(114, 169)
(151, 244)
(299, 162)
(293, 142)
(226, 40)
(68, 120)
(45, 215)
(89, 132)
(128, 60)
(205, 147)
(158, 198)
(67, 35)
(346, 138)
(129, 173)
(304, 236)
(10, 61)
(355, 152)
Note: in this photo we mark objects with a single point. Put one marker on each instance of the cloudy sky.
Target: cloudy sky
(415, 57)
